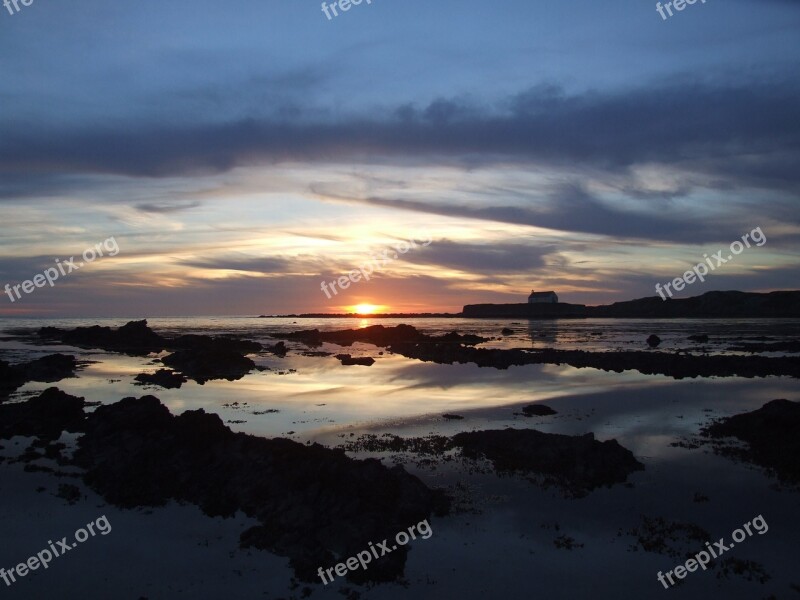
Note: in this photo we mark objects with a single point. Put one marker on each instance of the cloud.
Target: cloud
(253, 265)
(744, 134)
(166, 207)
(570, 208)
(484, 258)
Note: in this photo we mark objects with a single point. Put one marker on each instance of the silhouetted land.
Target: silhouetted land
(711, 305)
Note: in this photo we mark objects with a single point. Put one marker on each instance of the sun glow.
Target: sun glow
(365, 309)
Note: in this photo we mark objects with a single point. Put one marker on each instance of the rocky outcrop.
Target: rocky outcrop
(44, 416)
(378, 335)
(47, 369)
(578, 464)
(163, 378)
(280, 349)
(772, 435)
(537, 410)
(134, 338)
(206, 363)
(674, 365)
(315, 505)
(786, 346)
(199, 357)
(347, 360)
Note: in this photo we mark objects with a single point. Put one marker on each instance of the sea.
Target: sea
(506, 535)
(304, 397)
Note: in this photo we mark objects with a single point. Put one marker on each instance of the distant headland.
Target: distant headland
(545, 305)
(730, 304)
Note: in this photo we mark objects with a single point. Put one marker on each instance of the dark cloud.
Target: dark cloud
(484, 258)
(20, 185)
(166, 207)
(571, 208)
(746, 134)
(258, 266)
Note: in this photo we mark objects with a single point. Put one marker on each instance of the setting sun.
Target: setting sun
(365, 309)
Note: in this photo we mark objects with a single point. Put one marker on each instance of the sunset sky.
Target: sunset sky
(241, 153)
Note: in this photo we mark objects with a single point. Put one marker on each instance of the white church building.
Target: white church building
(543, 298)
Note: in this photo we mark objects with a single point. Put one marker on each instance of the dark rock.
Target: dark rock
(11, 378)
(137, 339)
(47, 369)
(70, 493)
(747, 569)
(672, 538)
(507, 331)
(45, 416)
(205, 364)
(134, 338)
(377, 335)
(450, 417)
(771, 433)
(280, 349)
(315, 504)
(565, 542)
(653, 341)
(577, 463)
(537, 410)
(348, 360)
(785, 346)
(700, 339)
(162, 378)
(431, 445)
(51, 368)
(674, 365)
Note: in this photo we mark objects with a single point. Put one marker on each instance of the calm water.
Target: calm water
(502, 546)
(315, 396)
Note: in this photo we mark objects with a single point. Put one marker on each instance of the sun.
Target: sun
(365, 309)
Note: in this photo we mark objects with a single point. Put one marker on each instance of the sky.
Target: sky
(240, 154)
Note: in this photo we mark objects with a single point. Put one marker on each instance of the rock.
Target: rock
(672, 538)
(279, 349)
(450, 417)
(377, 335)
(537, 410)
(653, 341)
(671, 364)
(137, 339)
(11, 378)
(162, 378)
(71, 493)
(204, 364)
(749, 570)
(579, 464)
(507, 331)
(51, 368)
(700, 339)
(348, 360)
(785, 346)
(315, 505)
(47, 369)
(44, 416)
(771, 433)
(134, 338)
